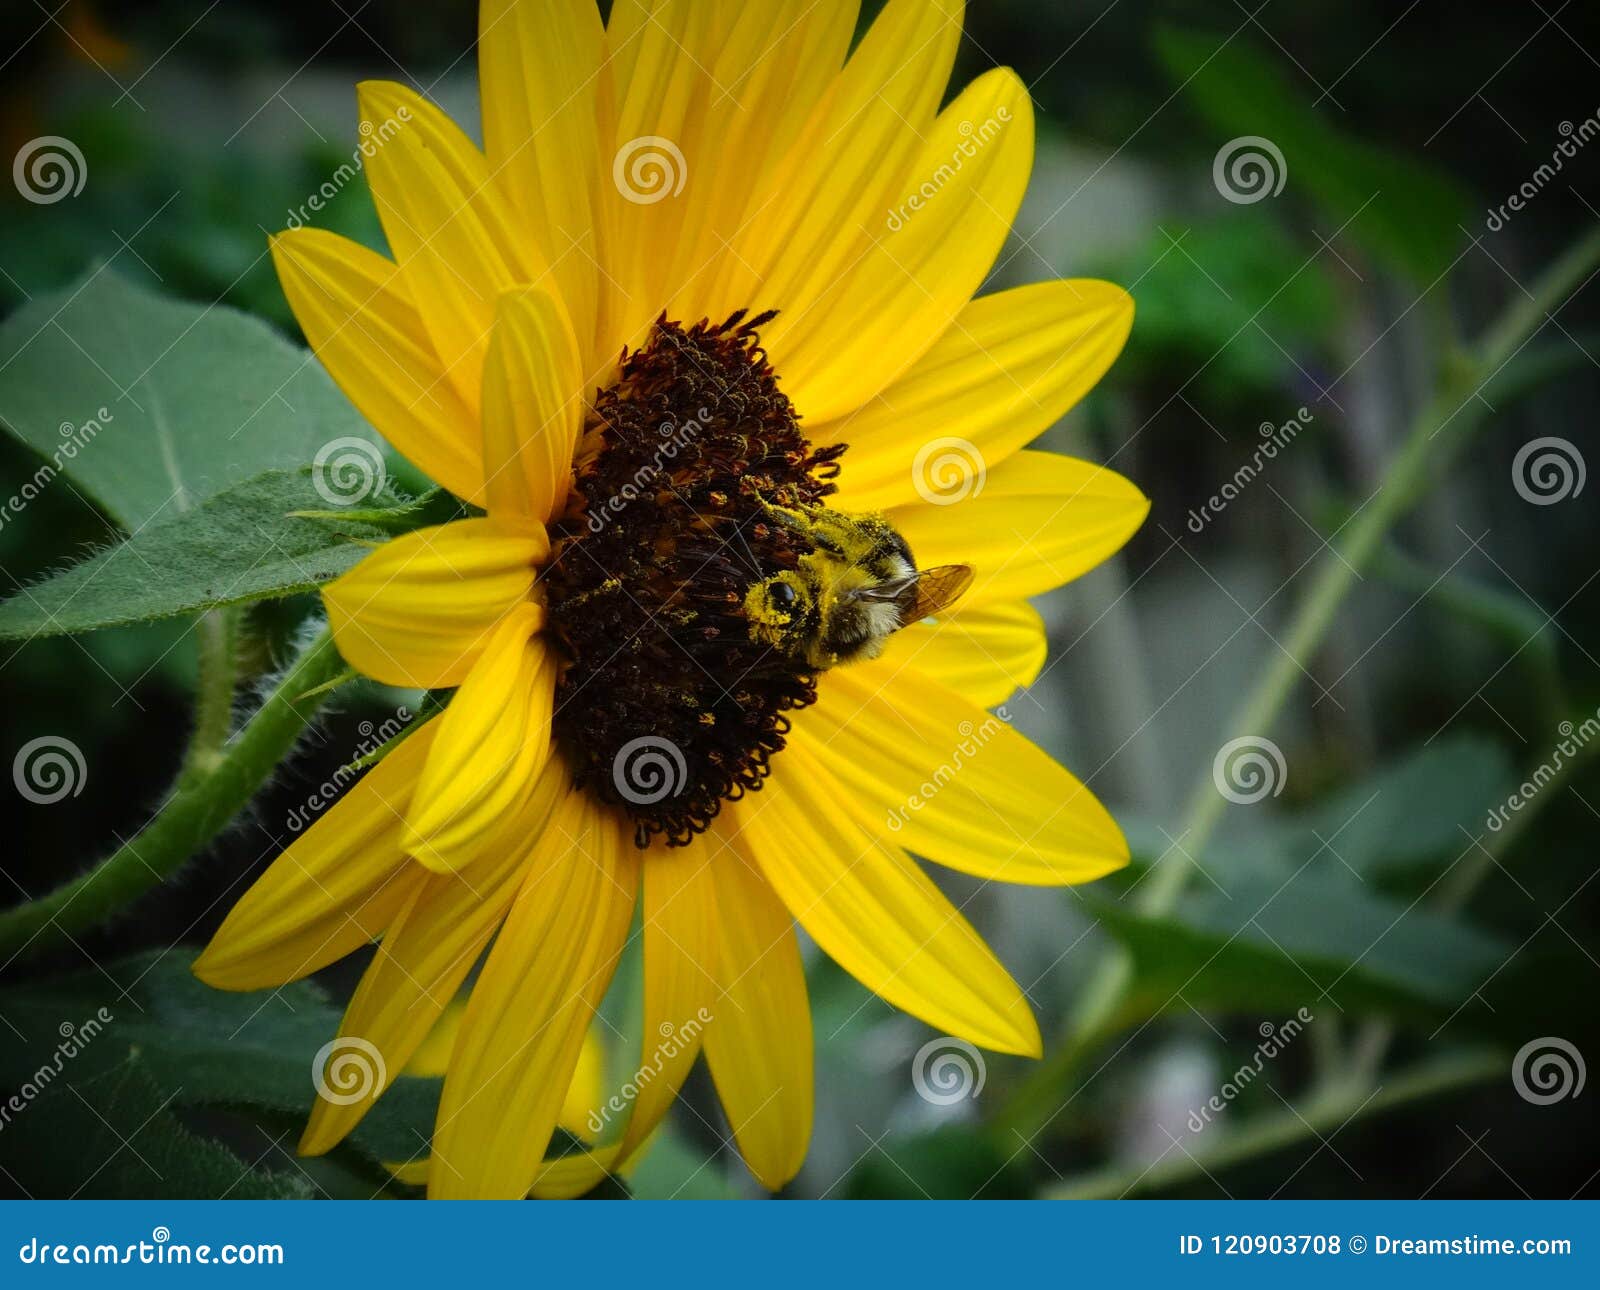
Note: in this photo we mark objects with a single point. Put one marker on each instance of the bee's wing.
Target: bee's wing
(936, 590)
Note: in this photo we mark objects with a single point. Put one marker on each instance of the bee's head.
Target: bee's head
(817, 614)
(783, 610)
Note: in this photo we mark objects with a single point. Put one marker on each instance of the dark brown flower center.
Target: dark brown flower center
(667, 705)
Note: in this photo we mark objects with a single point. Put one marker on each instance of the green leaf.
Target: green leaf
(244, 544)
(203, 1048)
(150, 406)
(112, 1135)
(671, 1169)
(434, 507)
(951, 1163)
(1316, 940)
(1400, 209)
(1232, 300)
(1424, 808)
(1427, 806)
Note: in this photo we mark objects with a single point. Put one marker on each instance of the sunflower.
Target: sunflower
(706, 293)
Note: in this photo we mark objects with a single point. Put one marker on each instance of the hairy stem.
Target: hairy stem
(217, 631)
(206, 797)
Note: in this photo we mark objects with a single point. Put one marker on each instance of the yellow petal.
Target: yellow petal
(1007, 369)
(356, 310)
(930, 251)
(539, 64)
(337, 887)
(1031, 524)
(587, 1087)
(987, 653)
(875, 912)
(423, 960)
(775, 62)
(584, 1094)
(452, 232)
(758, 1044)
(431, 1058)
(824, 205)
(660, 63)
(532, 406)
(956, 784)
(418, 610)
(493, 741)
(680, 980)
(565, 1177)
(680, 993)
(532, 1003)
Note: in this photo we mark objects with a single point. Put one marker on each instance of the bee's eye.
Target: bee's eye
(782, 595)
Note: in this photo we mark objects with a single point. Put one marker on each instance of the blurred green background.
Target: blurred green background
(1369, 890)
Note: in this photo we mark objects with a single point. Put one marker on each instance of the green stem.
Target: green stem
(1436, 434)
(219, 672)
(200, 806)
(1322, 1115)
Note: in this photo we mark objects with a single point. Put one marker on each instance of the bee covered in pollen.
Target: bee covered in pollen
(855, 587)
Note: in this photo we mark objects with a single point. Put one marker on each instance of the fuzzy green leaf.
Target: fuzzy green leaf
(111, 1135)
(202, 1047)
(244, 544)
(150, 406)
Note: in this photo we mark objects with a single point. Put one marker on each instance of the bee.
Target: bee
(854, 588)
